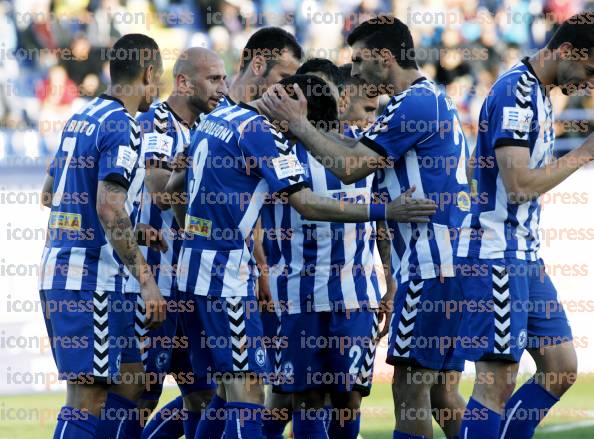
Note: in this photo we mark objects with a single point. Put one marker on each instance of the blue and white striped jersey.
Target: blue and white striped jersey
(164, 134)
(237, 160)
(420, 134)
(517, 112)
(99, 143)
(321, 266)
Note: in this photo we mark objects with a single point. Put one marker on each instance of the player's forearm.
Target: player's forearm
(316, 208)
(177, 196)
(529, 184)
(384, 245)
(338, 153)
(119, 232)
(156, 181)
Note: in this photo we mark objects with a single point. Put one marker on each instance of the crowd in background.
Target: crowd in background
(52, 52)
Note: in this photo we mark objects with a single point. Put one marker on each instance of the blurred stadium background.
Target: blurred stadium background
(51, 63)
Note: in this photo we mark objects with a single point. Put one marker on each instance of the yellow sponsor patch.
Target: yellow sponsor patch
(198, 226)
(65, 220)
(464, 201)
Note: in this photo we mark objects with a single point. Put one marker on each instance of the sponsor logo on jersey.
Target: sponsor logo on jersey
(198, 226)
(65, 220)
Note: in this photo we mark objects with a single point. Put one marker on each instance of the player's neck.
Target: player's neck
(131, 103)
(242, 89)
(403, 78)
(544, 67)
(239, 91)
(179, 105)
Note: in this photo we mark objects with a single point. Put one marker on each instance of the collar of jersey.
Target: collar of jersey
(248, 107)
(418, 80)
(177, 116)
(526, 62)
(112, 98)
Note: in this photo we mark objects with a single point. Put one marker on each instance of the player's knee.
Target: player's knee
(309, 399)
(410, 393)
(89, 397)
(346, 400)
(442, 397)
(564, 377)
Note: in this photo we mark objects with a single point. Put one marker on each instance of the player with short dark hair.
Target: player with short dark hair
(91, 244)
(417, 134)
(270, 55)
(501, 237)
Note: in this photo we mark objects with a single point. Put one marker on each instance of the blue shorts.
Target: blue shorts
(510, 305)
(225, 336)
(332, 351)
(88, 331)
(425, 323)
(165, 350)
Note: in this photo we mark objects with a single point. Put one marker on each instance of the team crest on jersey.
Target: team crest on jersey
(522, 339)
(517, 119)
(287, 166)
(198, 226)
(288, 370)
(65, 220)
(162, 360)
(260, 357)
(157, 143)
(463, 201)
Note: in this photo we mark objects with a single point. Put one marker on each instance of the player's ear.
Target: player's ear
(344, 100)
(565, 51)
(386, 57)
(148, 74)
(258, 65)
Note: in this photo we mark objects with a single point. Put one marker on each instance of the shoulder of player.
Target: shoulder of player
(120, 124)
(419, 100)
(516, 82)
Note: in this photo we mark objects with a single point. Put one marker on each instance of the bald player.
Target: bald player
(199, 83)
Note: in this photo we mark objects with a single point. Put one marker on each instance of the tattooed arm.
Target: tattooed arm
(111, 198)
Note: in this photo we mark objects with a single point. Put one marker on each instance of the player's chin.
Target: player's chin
(212, 103)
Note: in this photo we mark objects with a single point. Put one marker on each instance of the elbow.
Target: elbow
(46, 199)
(349, 179)
(105, 212)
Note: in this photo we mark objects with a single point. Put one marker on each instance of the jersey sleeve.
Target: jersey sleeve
(273, 157)
(510, 112)
(158, 141)
(118, 141)
(406, 122)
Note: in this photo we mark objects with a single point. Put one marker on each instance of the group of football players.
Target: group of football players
(236, 232)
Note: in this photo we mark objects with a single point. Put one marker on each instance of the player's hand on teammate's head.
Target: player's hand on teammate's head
(279, 105)
(155, 305)
(148, 236)
(406, 209)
